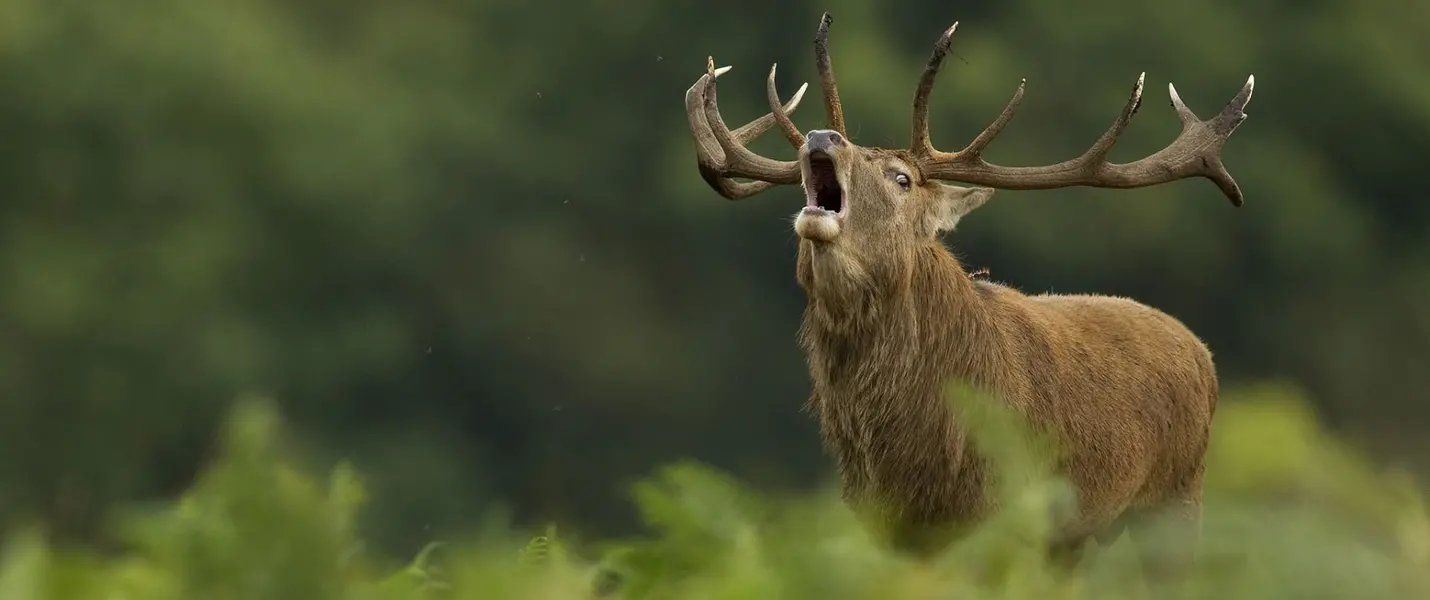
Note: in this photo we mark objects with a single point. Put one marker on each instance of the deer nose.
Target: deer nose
(823, 140)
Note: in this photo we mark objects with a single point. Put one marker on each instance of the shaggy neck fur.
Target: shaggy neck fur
(882, 340)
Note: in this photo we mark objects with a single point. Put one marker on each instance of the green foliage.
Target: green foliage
(1292, 513)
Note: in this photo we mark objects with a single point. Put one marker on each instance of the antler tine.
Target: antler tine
(1099, 149)
(920, 144)
(980, 142)
(1196, 152)
(832, 108)
(791, 132)
(721, 153)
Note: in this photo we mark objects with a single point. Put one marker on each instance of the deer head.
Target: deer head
(869, 200)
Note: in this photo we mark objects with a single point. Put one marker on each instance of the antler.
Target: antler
(722, 153)
(1196, 152)
(832, 107)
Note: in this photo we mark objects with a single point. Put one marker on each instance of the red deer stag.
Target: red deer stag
(892, 317)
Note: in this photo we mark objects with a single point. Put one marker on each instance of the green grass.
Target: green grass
(1291, 513)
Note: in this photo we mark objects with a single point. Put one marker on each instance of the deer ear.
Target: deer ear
(952, 203)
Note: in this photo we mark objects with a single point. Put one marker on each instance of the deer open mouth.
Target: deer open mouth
(822, 189)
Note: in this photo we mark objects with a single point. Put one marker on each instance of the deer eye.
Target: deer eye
(902, 180)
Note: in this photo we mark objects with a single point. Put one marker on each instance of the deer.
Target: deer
(892, 316)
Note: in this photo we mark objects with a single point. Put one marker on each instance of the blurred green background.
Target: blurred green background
(464, 243)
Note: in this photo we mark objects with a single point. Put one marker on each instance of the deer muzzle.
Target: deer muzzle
(824, 195)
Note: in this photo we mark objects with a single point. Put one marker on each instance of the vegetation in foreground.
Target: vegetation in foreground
(1291, 513)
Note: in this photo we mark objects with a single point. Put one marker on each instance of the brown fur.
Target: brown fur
(892, 317)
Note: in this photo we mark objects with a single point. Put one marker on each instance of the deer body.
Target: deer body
(1129, 390)
(892, 319)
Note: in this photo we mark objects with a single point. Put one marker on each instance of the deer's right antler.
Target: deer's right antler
(1195, 153)
(722, 153)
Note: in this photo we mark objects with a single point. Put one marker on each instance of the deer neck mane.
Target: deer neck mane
(879, 367)
(895, 320)
(883, 346)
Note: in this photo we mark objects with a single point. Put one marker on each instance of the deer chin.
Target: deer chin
(822, 217)
(817, 224)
